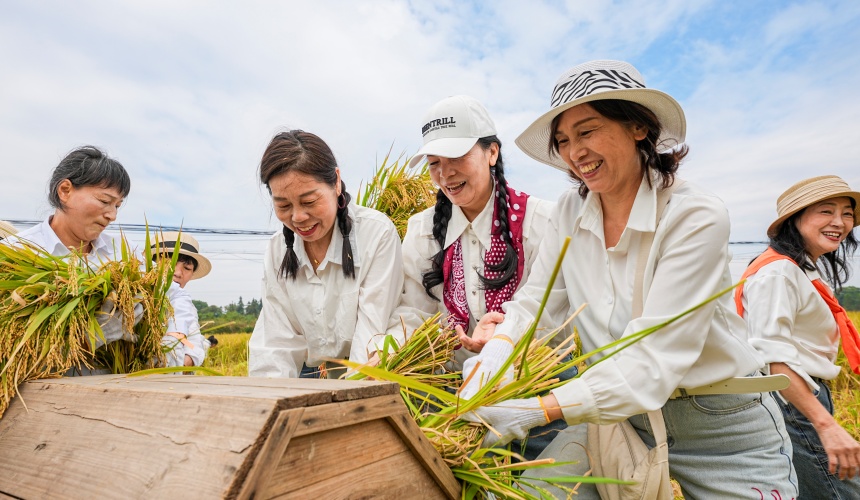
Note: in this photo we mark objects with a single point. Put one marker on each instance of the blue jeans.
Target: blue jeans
(725, 446)
(810, 458)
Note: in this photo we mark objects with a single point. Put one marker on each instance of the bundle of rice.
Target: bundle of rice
(431, 394)
(49, 306)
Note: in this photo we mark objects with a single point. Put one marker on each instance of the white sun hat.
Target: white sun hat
(599, 80)
(188, 245)
(452, 127)
(6, 230)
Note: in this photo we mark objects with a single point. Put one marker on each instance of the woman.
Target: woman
(622, 143)
(86, 190)
(795, 323)
(330, 292)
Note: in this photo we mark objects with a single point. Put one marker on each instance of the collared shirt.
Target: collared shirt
(185, 321)
(419, 247)
(687, 264)
(790, 323)
(325, 314)
(43, 235)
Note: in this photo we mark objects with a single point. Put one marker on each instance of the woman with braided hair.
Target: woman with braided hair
(329, 292)
(467, 255)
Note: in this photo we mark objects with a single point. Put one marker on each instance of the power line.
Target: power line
(142, 228)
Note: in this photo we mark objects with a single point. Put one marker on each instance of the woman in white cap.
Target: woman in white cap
(621, 143)
(187, 345)
(796, 324)
(330, 292)
(467, 255)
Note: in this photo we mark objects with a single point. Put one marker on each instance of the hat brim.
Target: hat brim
(446, 147)
(203, 264)
(774, 227)
(534, 141)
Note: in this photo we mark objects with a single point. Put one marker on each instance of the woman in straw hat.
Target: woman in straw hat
(796, 324)
(467, 255)
(6, 230)
(621, 143)
(329, 292)
(187, 345)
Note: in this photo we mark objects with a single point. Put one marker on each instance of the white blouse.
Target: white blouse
(43, 235)
(687, 263)
(185, 321)
(419, 247)
(325, 314)
(790, 323)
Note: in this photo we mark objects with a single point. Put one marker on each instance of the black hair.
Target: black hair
(88, 166)
(306, 153)
(187, 258)
(789, 242)
(442, 214)
(632, 114)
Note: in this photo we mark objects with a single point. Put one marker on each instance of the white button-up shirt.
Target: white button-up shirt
(790, 323)
(687, 263)
(325, 314)
(475, 237)
(185, 321)
(43, 235)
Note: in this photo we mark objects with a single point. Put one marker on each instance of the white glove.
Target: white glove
(110, 320)
(511, 419)
(491, 358)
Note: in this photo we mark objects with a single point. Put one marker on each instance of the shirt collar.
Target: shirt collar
(642, 215)
(458, 223)
(102, 246)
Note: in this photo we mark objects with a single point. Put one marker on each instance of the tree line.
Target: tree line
(849, 297)
(235, 317)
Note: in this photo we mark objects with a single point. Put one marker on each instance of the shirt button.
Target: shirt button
(474, 242)
(609, 300)
(474, 292)
(319, 311)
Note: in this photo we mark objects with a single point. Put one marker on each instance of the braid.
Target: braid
(345, 225)
(441, 215)
(290, 264)
(508, 265)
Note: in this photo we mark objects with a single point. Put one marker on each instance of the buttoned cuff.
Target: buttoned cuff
(577, 402)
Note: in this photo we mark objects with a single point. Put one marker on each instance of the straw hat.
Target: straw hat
(809, 192)
(6, 230)
(599, 80)
(452, 126)
(187, 246)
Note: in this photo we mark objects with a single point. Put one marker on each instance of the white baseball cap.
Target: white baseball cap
(452, 126)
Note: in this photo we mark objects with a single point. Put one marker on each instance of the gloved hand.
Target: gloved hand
(510, 420)
(491, 359)
(110, 320)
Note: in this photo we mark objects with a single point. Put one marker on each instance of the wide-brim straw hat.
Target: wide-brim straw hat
(595, 81)
(809, 192)
(6, 230)
(452, 127)
(187, 246)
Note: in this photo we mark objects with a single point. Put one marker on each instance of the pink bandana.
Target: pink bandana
(453, 272)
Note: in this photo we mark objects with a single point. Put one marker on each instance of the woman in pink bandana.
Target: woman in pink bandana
(466, 256)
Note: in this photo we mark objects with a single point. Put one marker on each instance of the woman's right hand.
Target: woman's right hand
(484, 331)
(843, 452)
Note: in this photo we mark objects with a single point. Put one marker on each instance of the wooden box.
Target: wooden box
(215, 437)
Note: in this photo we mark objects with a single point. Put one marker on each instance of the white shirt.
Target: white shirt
(325, 314)
(185, 321)
(790, 323)
(475, 237)
(690, 256)
(43, 235)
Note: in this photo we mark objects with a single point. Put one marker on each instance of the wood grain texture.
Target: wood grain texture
(273, 449)
(424, 452)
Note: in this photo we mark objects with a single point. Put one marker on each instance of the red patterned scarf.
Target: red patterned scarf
(453, 271)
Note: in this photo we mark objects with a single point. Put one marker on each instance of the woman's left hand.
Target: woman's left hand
(484, 331)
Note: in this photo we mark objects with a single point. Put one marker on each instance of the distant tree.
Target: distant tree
(253, 308)
(240, 307)
(849, 297)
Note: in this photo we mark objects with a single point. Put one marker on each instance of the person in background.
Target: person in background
(796, 324)
(328, 293)
(187, 345)
(86, 190)
(6, 230)
(467, 255)
(622, 143)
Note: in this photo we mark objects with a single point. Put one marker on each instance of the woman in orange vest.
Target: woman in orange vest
(796, 324)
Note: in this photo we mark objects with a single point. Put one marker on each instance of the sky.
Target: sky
(186, 95)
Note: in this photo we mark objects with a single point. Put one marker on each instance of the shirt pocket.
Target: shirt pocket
(343, 319)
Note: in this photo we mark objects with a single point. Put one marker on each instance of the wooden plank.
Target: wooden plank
(118, 444)
(396, 477)
(328, 454)
(341, 390)
(324, 417)
(425, 453)
(266, 461)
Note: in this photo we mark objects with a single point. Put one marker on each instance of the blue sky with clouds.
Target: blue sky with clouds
(187, 94)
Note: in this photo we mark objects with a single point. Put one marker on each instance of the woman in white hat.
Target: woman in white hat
(329, 292)
(796, 324)
(467, 255)
(187, 345)
(621, 143)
